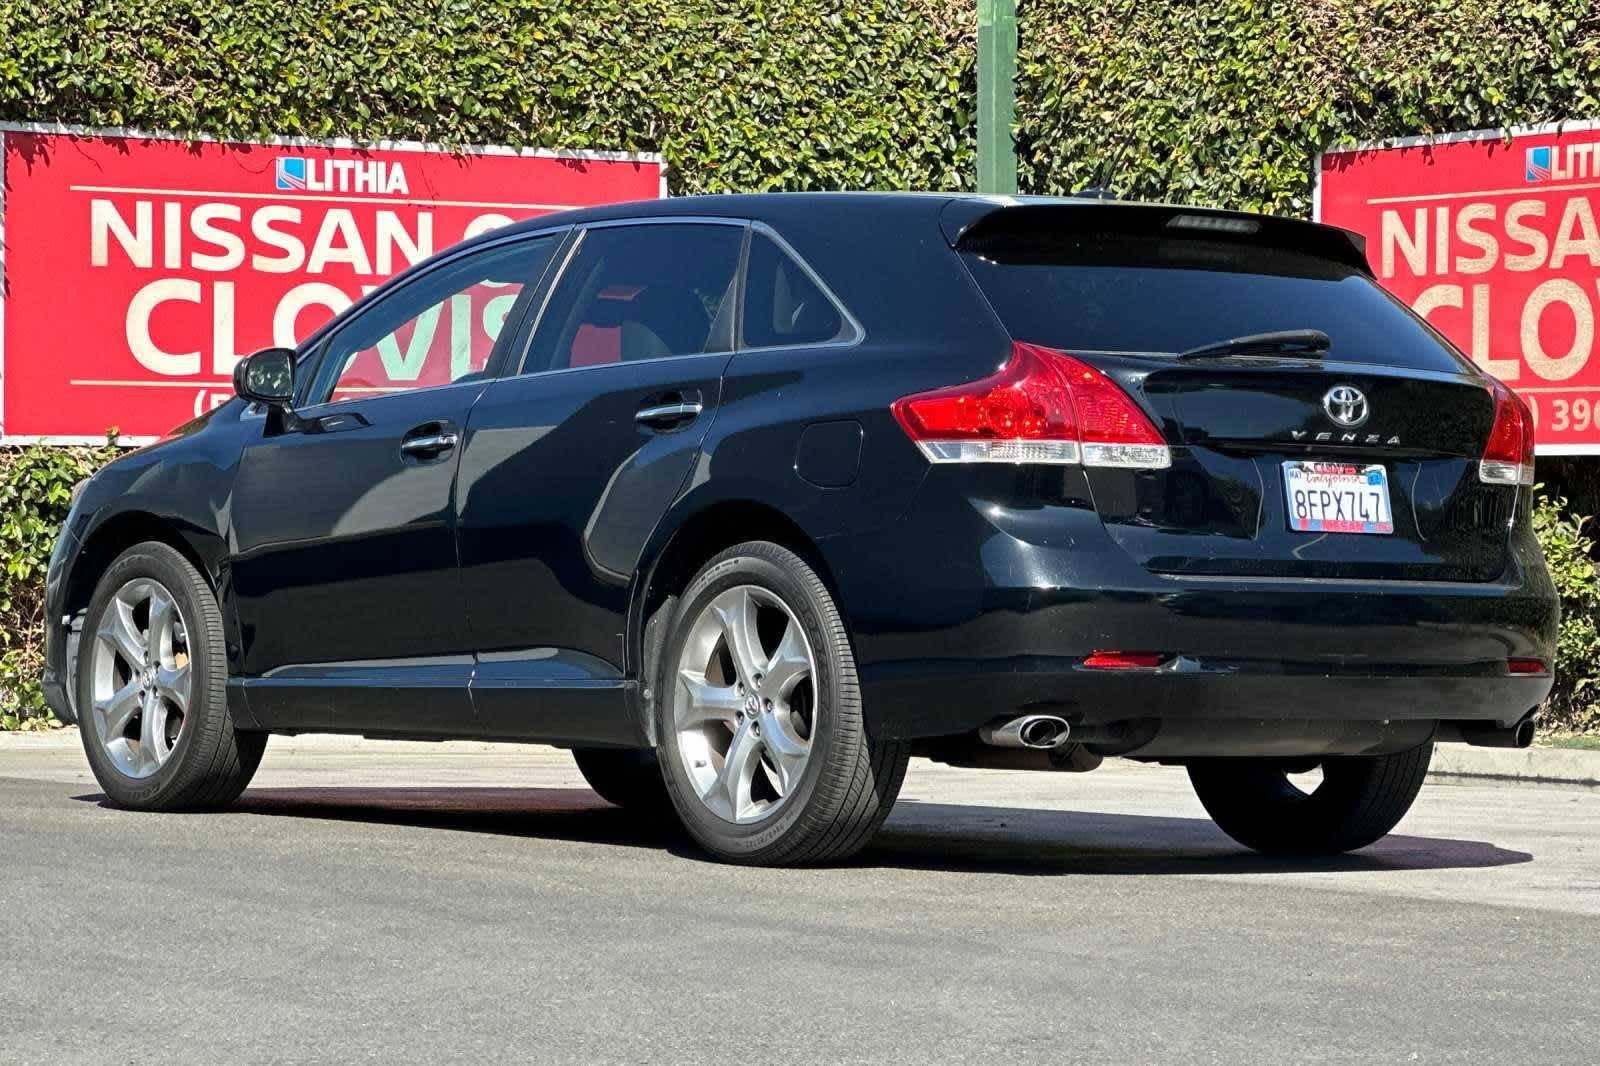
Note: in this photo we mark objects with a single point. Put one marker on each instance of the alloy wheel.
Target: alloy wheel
(746, 705)
(142, 677)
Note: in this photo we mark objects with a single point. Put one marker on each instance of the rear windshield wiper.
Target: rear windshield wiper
(1304, 342)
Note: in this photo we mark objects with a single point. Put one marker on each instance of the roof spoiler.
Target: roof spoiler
(968, 222)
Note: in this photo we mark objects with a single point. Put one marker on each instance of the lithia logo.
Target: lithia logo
(1557, 162)
(298, 173)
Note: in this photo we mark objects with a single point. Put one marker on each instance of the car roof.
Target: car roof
(955, 213)
(772, 207)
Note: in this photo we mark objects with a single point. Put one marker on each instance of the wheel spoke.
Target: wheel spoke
(785, 751)
(704, 702)
(117, 630)
(163, 612)
(174, 685)
(153, 731)
(117, 709)
(736, 613)
(788, 666)
(730, 792)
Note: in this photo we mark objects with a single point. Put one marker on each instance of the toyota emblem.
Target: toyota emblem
(1346, 405)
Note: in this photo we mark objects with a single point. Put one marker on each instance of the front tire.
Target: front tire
(764, 747)
(153, 710)
(1359, 800)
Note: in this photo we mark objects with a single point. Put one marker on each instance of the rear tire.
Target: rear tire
(1360, 799)
(625, 778)
(152, 702)
(764, 747)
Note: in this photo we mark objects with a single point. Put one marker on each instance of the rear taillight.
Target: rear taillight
(1124, 660)
(1044, 406)
(1508, 457)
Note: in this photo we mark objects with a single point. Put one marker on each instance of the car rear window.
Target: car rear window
(1164, 295)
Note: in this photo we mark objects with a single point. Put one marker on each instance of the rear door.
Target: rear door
(570, 462)
(1358, 461)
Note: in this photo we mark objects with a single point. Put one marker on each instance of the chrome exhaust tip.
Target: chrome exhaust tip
(1041, 731)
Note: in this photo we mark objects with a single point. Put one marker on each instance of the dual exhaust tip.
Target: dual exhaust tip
(1037, 731)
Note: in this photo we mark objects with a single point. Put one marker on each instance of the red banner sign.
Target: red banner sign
(1493, 238)
(138, 269)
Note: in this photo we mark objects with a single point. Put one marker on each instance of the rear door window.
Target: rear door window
(641, 292)
(1163, 295)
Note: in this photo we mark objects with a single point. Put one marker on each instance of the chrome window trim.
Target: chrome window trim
(858, 332)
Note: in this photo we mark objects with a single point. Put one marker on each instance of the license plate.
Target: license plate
(1337, 498)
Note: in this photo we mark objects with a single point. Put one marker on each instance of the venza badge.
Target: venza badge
(1346, 405)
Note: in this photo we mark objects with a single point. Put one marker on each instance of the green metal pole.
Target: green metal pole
(997, 95)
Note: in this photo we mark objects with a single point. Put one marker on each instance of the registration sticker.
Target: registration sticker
(1337, 498)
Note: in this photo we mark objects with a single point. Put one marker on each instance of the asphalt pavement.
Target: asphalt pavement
(469, 903)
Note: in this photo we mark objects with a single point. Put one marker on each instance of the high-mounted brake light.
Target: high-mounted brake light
(1508, 457)
(1044, 406)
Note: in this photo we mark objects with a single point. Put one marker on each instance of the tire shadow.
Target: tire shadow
(918, 835)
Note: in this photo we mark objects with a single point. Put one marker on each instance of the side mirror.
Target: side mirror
(266, 377)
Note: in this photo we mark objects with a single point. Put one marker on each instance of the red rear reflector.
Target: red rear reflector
(1508, 457)
(1525, 666)
(1044, 406)
(1123, 660)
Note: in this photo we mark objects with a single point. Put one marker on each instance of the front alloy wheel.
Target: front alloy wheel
(151, 684)
(141, 678)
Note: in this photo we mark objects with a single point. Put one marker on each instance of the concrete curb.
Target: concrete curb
(1458, 762)
(1525, 766)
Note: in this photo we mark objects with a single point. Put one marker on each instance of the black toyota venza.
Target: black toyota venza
(748, 499)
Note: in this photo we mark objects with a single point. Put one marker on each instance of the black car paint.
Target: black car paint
(509, 595)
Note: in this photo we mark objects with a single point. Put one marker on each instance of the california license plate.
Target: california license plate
(1337, 498)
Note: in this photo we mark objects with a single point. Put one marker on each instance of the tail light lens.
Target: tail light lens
(1508, 457)
(1124, 660)
(1044, 406)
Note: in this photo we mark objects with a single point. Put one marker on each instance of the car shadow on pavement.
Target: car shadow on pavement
(1020, 840)
(918, 835)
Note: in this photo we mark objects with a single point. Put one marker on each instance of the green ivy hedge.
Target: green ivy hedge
(35, 492)
(1227, 103)
(771, 94)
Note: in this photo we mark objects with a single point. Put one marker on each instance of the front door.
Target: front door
(343, 521)
(569, 465)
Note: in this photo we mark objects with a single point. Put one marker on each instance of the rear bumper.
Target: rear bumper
(947, 697)
(997, 618)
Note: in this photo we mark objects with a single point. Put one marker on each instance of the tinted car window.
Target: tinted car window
(436, 329)
(1139, 294)
(782, 305)
(641, 292)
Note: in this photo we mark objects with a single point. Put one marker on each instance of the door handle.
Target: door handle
(429, 441)
(669, 414)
